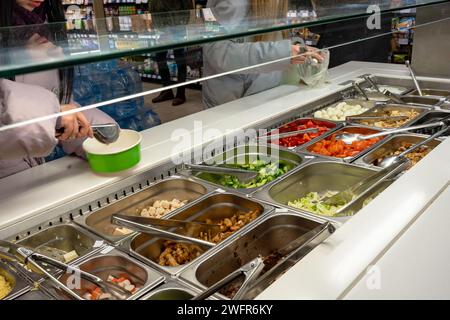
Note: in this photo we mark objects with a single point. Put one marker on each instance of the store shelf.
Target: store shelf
(200, 32)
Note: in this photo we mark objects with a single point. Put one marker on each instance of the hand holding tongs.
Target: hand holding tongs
(251, 271)
(187, 228)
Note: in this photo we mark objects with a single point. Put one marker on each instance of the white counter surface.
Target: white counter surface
(328, 272)
(417, 264)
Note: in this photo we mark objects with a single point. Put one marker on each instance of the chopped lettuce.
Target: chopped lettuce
(267, 172)
(312, 202)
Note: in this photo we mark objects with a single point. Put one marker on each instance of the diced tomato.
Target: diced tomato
(338, 149)
(299, 140)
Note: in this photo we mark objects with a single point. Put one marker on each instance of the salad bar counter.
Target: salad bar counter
(220, 225)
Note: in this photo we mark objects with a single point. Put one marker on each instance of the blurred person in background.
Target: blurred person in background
(174, 16)
(34, 95)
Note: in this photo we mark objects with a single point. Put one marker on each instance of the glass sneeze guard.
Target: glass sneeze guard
(106, 39)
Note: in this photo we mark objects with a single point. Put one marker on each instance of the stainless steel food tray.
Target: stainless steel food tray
(178, 187)
(422, 101)
(247, 154)
(319, 176)
(271, 233)
(35, 295)
(66, 237)
(433, 116)
(216, 206)
(404, 85)
(392, 144)
(18, 283)
(113, 261)
(381, 108)
(334, 125)
(364, 103)
(426, 92)
(351, 129)
(172, 290)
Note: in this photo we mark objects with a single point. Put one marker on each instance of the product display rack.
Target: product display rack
(402, 36)
(111, 7)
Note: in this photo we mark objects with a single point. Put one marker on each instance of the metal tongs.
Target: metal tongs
(251, 271)
(290, 254)
(243, 175)
(372, 83)
(413, 76)
(184, 232)
(388, 94)
(349, 138)
(364, 186)
(283, 258)
(360, 90)
(375, 118)
(30, 258)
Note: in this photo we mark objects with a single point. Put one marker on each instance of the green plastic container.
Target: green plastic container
(121, 155)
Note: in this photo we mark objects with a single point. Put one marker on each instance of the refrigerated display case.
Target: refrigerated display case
(251, 88)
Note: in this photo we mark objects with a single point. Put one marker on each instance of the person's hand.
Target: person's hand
(299, 58)
(75, 125)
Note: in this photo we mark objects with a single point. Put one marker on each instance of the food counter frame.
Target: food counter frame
(350, 250)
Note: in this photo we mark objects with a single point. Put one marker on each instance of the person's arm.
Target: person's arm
(20, 102)
(230, 55)
(93, 116)
(226, 56)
